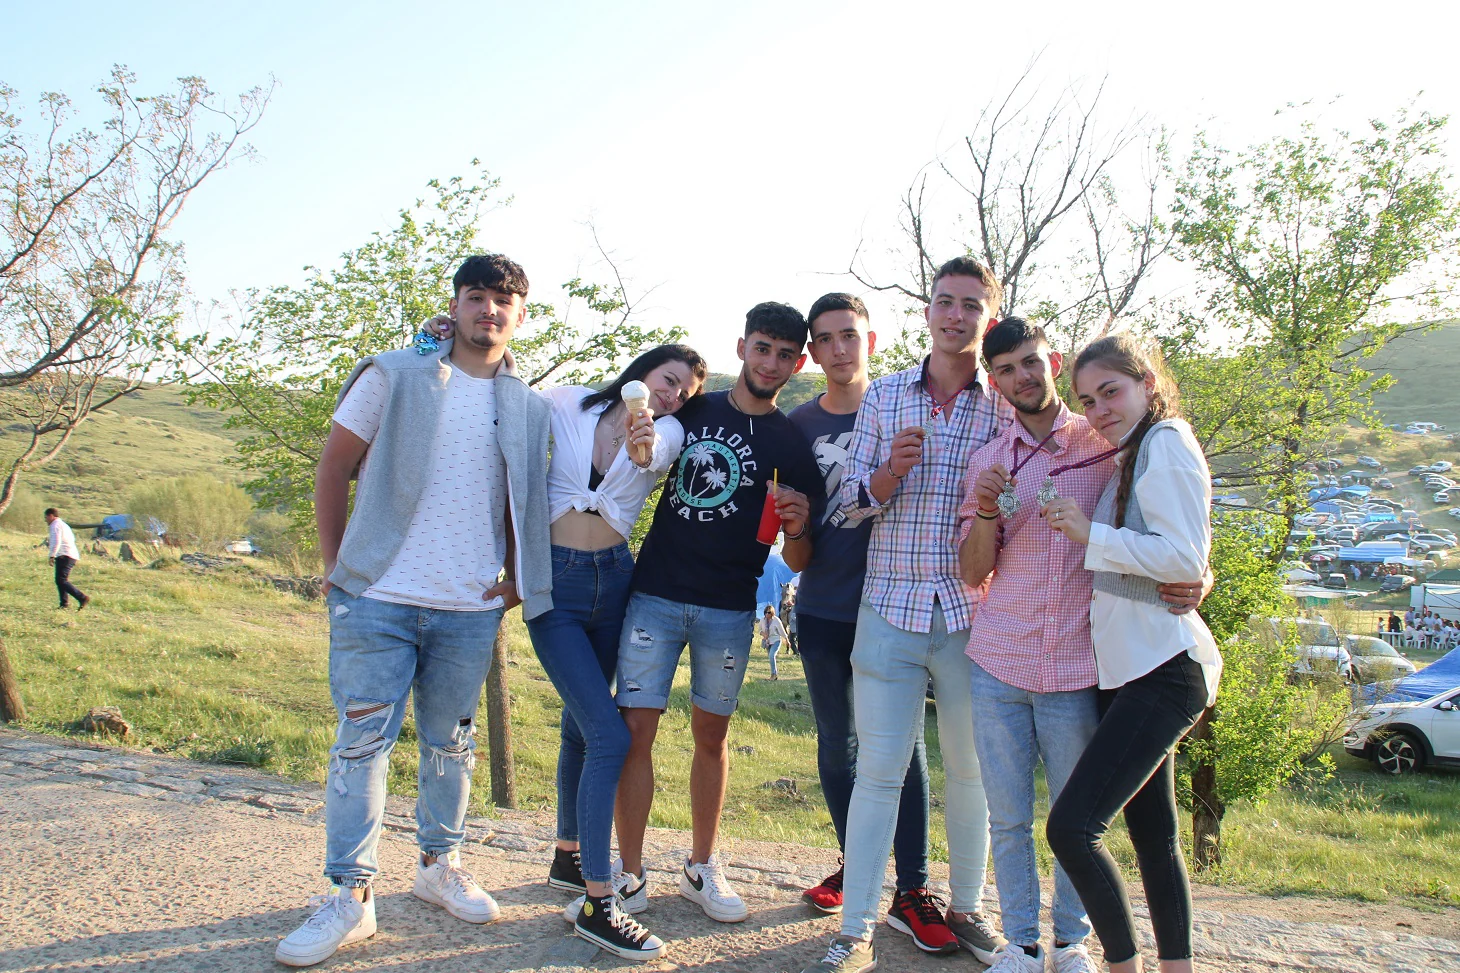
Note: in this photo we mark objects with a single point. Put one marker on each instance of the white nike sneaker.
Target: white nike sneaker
(705, 883)
(445, 883)
(339, 919)
(632, 892)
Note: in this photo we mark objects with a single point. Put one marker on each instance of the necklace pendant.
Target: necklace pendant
(1008, 502)
(929, 428)
(1047, 493)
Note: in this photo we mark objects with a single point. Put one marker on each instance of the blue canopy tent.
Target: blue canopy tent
(1437, 677)
(1327, 507)
(1372, 552)
(768, 589)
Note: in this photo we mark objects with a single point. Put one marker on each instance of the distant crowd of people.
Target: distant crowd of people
(956, 526)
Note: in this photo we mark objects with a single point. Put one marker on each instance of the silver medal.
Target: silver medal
(1008, 502)
(1047, 492)
(928, 428)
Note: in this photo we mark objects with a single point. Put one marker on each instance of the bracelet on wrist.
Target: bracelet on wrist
(892, 474)
(984, 516)
(798, 535)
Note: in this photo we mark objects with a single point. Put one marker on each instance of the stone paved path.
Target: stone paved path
(117, 860)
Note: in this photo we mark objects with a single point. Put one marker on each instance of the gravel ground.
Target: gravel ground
(117, 860)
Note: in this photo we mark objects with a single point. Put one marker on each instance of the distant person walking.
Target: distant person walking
(64, 555)
(772, 634)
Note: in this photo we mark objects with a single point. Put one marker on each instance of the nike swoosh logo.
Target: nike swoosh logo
(695, 880)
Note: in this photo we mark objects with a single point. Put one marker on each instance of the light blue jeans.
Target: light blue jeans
(891, 671)
(379, 654)
(655, 633)
(1015, 729)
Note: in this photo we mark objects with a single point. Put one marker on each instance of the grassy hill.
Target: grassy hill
(1426, 368)
(149, 434)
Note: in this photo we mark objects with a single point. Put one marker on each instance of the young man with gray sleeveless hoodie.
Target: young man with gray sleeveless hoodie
(449, 531)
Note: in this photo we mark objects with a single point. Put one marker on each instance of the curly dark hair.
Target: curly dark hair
(492, 271)
(776, 320)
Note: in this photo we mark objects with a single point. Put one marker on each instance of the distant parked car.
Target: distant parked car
(1384, 483)
(1369, 461)
(241, 547)
(1434, 542)
(1442, 466)
(1396, 582)
(1319, 649)
(1405, 737)
(1375, 660)
(1336, 580)
(1442, 497)
(1418, 470)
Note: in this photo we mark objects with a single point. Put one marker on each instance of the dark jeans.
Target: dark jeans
(826, 654)
(1128, 764)
(577, 643)
(63, 580)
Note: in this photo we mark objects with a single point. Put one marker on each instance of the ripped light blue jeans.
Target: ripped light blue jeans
(379, 654)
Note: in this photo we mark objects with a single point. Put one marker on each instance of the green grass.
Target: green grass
(220, 667)
(1423, 367)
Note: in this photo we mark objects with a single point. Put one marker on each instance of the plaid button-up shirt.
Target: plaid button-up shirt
(1032, 630)
(913, 555)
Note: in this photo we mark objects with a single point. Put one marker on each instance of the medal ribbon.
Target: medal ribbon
(938, 407)
(1081, 465)
(1018, 465)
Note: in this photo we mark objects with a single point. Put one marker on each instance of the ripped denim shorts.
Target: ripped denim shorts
(655, 633)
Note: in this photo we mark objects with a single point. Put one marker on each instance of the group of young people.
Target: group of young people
(956, 526)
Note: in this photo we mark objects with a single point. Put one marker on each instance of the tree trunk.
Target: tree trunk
(1206, 817)
(499, 726)
(12, 710)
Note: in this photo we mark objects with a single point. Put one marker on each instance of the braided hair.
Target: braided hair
(1126, 356)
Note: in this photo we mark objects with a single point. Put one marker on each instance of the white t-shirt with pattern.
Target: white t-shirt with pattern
(457, 540)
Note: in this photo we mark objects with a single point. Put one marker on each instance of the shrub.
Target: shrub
(196, 509)
(25, 513)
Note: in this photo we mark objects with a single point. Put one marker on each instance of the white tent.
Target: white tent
(1442, 599)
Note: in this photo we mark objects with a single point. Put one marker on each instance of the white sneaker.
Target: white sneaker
(445, 883)
(707, 885)
(339, 919)
(632, 892)
(1074, 958)
(1009, 958)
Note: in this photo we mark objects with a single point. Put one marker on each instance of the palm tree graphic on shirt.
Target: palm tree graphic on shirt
(702, 458)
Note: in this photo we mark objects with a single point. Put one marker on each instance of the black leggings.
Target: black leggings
(1128, 765)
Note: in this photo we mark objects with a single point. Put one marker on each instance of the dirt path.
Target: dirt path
(124, 861)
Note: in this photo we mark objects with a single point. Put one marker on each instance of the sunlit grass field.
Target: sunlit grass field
(221, 667)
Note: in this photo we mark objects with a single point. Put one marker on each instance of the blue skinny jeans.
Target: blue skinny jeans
(577, 643)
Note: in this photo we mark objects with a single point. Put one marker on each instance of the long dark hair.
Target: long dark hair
(1123, 354)
(640, 367)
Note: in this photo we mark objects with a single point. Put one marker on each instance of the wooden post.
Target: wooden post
(12, 710)
(499, 726)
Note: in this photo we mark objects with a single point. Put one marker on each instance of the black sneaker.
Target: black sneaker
(567, 872)
(604, 924)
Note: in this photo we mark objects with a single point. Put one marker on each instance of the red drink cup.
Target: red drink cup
(770, 521)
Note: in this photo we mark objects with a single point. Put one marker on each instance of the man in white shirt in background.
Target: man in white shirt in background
(449, 448)
(64, 555)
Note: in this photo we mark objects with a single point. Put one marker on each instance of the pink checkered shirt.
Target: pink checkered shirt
(913, 555)
(1032, 629)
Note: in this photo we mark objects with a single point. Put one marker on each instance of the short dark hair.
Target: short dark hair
(491, 271)
(1007, 335)
(836, 302)
(968, 267)
(51, 512)
(776, 321)
(643, 365)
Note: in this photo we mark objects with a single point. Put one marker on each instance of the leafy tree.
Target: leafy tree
(280, 375)
(1264, 725)
(1315, 250)
(196, 509)
(90, 283)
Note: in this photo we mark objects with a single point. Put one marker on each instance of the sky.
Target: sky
(726, 153)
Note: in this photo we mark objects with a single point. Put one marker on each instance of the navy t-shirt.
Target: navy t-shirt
(701, 549)
(831, 585)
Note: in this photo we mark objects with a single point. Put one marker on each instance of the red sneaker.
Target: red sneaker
(919, 913)
(826, 897)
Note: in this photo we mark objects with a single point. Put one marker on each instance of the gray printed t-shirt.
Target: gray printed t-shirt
(831, 585)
